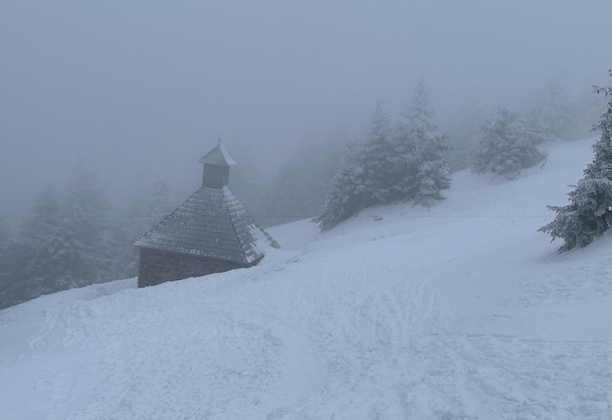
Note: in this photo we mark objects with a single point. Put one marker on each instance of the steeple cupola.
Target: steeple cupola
(217, 164)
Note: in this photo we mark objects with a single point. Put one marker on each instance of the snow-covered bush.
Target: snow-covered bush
(507, 145)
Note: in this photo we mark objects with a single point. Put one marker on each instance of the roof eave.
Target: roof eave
(201, 254)
(224, 156)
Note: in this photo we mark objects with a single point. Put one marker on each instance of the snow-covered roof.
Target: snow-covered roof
(218, 156)
(211, 223)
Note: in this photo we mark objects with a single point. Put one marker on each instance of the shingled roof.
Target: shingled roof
(211, 223)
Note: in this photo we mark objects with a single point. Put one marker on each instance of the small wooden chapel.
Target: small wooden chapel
(209, 233)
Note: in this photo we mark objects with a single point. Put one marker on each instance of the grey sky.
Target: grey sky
(139, 88)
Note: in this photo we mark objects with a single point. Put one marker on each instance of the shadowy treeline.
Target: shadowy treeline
(71, 241)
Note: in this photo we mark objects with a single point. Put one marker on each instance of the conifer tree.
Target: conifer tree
(84, 258)
(347, 194)
(43, 244)
(6, 268)
(507, 145)
(366, 176)
(378, 158)
(589, 213)
(421, 172)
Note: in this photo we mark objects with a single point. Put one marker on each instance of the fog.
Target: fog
(140, 89)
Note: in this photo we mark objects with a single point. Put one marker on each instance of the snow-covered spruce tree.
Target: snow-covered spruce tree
(14, 285)
(366, 177)
(377, 159)
(347, 193)
(84, 258)
(589, 213)
(507, 145)
(43, 244)
(9, 278)
(421, 172)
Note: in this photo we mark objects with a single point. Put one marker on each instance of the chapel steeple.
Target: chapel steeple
(217, 164)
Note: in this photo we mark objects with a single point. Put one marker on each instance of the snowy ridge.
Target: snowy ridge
(460, 312)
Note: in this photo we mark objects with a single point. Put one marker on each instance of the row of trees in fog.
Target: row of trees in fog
(552, 111)
(411, 161)
(407, 164)
(498, 140)
(71, 241)
(391, 165)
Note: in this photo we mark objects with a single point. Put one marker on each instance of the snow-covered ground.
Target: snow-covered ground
(460, 312)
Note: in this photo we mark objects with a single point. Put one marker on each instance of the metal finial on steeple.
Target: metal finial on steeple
(218, 156)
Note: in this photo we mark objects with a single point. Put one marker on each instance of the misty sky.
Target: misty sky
(140, 88)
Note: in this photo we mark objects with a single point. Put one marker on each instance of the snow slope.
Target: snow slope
(460, 312)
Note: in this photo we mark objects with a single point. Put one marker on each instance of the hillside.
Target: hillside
(462, 312)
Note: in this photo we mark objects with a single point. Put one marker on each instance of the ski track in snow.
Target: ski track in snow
(450, 317)
(37, 342)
